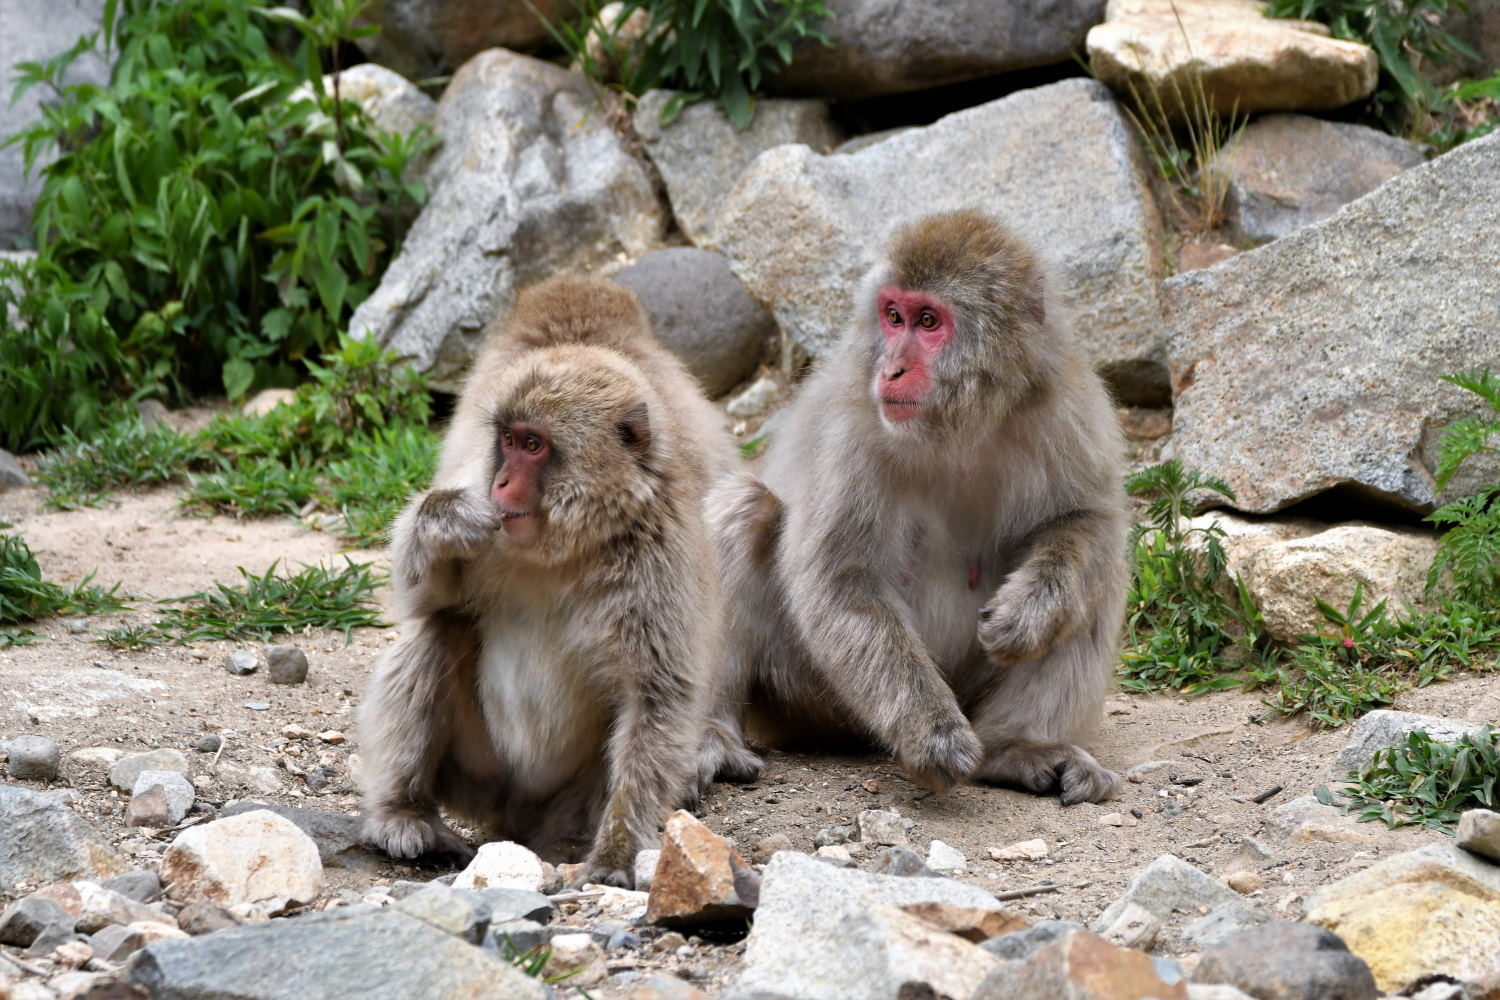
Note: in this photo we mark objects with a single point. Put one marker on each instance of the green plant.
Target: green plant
(265, 605)
(25, 596)
(126, 454)
(212, 217)
(1406, 36)
(1179, 622)
(716, 49)
(1468, 554)
(1426, 782)
(1462, 111)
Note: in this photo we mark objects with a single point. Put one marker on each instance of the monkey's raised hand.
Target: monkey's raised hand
(448, 524)
(938, 749)
(1027, 615)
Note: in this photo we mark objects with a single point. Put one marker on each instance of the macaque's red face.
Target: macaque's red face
(915, 327)
(517, 490)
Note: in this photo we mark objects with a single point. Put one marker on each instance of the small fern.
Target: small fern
(1469, 551)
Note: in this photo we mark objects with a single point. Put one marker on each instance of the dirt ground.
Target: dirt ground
(83, 695)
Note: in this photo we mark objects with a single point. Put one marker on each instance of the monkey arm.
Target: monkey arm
(1047, 595)
(437, 532)
(850, 621)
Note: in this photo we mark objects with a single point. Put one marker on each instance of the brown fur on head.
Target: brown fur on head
(992, 286)
(577, 310)
(605, 476)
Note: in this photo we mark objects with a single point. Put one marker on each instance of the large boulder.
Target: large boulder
(1314, 363)
(531, 180)
(700, 154)
(880, 47)
(42, 840)
(1289, 171)
(35, 32)
(1243, 61)
(422, 38)
(1058, 164)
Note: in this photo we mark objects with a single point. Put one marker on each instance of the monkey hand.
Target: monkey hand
(1020, 623)
(601, 871)
(938, 752)
(454, 524)
(407, 834)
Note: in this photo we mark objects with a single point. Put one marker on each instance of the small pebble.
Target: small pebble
(34, 758)
(296, 732)
(208, 743)
(332, 736)
(257, 706)
(286, 664)
(241, 662)
(1245, 882)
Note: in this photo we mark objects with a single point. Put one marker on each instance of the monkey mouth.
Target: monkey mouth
(511, 515)
(899, 410)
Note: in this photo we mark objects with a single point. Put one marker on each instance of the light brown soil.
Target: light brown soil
(81, 694)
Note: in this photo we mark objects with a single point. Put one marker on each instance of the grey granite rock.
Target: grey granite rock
(34, 758)
(42, 840)
(1286, 961)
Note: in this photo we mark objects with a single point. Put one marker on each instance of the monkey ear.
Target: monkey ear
(634, 429)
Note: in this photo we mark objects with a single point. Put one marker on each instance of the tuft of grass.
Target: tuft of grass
(127, 454)
(1469, 551)
(264, 606)
(25, 596)
(1425, 782)
(368, 489)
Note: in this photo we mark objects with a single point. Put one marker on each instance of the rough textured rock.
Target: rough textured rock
(1020, 944)
(825, 932)
(256, 857)
(1166, 885)
(34, 758)
(1287, 578)
(178, 793)
(1133, 926)
(701, 155)
(140, 884)
(391, 100)
(241, 662)
(1023, 850)
(124, 772)
(423, 38)
(700, 879)
(577, 959)
(42, 840)
(943, 858)
(148, 807)
(503, 865)
(374, 954)
(116, 943)
(898, 860)
(800, 229)
(1439, 864)
(1289, 171)
(1221, 922)
(881, 826)
(11, 473)
(888, 48)
(1285, 961)
(1306, 819)
(24, 919)
(531, 181)
(37, 32)
(286, 665)
(702, 313)
(1245, 61)
(336, 834)
(90, 906)
(1479, 833)
(1412, 930)
(1315, 361)
(1082, 966)
(460, 912)
(517, 904)
(1384, 728)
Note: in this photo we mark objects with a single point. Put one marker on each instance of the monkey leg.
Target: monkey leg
(406, 725)
(1034, 713)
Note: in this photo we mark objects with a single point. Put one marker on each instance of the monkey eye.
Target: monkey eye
(507, 440)
(892, 316)
(532, 444)
(928, 320)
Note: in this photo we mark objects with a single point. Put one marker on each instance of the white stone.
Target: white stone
(645, 868)
(503, 865)
(757, 398)
(1133, 927)
(1479, 833)
(838, 852)
(579, 958)
(881, 826)
(256, 858)
(123, 772)
(1026, 850)
(942, 858)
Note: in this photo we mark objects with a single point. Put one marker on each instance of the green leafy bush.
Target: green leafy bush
(212, 218)
(1407, 35)
(26, 596)
(716, 49)
(1426, 782)
(1469, 551)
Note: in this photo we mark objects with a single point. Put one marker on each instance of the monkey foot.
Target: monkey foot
(724, 757)
(1050, 767)
(603, 873)
(941, 757)
(406, 835)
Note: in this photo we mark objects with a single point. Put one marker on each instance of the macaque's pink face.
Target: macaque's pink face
(517, 489)
(915, 327)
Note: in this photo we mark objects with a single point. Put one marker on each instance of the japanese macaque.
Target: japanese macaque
(562, 623)
(935, 557)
